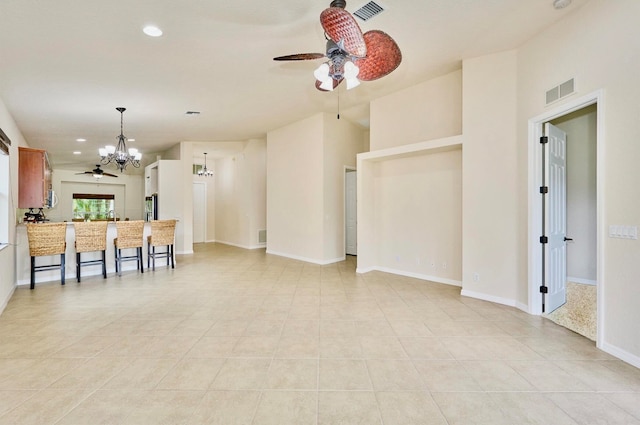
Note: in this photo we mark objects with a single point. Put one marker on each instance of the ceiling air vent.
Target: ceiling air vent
(368, 11)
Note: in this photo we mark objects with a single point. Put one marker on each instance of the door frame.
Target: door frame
(205, 210)
(347, 169)
(535, 131)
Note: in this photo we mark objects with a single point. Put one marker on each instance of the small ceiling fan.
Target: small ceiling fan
(98, 172)
(352, 55)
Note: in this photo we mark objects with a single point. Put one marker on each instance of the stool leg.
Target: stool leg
(33, 272)
(62, 269)
(78, 266)
(104, 264)
(148, 255)
(173, 265)
(140, 259)
(167, 255)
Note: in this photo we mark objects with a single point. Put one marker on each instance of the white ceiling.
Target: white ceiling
(65, 65)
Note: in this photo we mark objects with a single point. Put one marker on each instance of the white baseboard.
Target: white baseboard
(493, 299)
(582, 281)
(420, 276)
(7, 298)
(242, 246)
(623, 355)
(306, 259)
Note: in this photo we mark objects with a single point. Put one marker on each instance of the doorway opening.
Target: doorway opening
(581, 120)
(350, 212)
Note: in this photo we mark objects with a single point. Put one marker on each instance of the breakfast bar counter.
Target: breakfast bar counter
(23, 259)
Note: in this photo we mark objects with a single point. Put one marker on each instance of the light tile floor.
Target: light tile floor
(240, 337)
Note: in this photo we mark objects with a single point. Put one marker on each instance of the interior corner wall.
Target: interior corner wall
(581, 46)
(186, 181)
(426, 111)
(241, 196)
(342, 142)
(295, 190)
(490, 195)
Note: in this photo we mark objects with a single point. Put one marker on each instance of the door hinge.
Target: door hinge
(544, 189)
(544, 239)
(544, 290)
(544, 139)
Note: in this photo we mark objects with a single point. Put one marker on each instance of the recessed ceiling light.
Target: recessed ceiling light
(131, 140)
(81, 140)
(152, 31)
(77, 152)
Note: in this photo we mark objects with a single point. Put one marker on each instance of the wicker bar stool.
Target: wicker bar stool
(129, 235)
(91, 236)
(46, 239)
(162, 234)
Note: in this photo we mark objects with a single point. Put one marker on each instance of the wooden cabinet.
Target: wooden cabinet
(34, 178)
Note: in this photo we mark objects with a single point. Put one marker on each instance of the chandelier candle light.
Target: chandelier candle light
(204, 171)
(119, 154)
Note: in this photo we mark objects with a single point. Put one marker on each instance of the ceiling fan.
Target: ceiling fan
(352, 55)
(98, 172)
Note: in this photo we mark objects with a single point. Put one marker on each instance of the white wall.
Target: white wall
(426, 111)
(294, 189)
(305, 187)
(8, 253)
(240, 196)
(598, 46)
(580, 127)
(490, 195)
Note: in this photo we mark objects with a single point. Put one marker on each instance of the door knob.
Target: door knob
(567, 239)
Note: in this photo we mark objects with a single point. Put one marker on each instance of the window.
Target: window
(88, 206)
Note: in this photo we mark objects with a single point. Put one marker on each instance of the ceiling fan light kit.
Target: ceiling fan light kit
(119, 154)
(352, 56)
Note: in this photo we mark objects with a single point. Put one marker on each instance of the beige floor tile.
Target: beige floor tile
(394, 375)
(293, 374)
(351, 407)
(191, 374)
(425, 348)
(344, 374)
(445, 375)
(409, 408)
(91, 373)
(226, 408)
(261, 327)
(294, 346)
(45, 407)
(228, 328)
(338, 328)
(407, 328)
(40, 375)
(10, 399)
(192, 327)
(598, 376)
(301, 327)
(527, 408)
(141, 374)
(88, 346)
(255, 346)
(245, 374)
(287, 408)
(164, 407)
(382, 347)
(546, 376)
(340, 348)
(213, 346)
(496, 375)
(630, 402)
(103, 408)
(592, 408)
(470, 408)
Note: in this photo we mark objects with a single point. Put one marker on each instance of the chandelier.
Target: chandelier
(204, 171)
(119, 154)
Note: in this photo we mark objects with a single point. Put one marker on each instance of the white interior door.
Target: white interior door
(555, 259)
(351, 235)
(199, 212)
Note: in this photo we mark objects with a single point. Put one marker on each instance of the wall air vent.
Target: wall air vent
(262, 236)
(368, 11)
(560, 91)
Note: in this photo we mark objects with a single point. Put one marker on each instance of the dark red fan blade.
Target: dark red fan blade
(383, 56)
(339, 25)
(108, 174)
(300, 57)
(85, 172)
(336, 83)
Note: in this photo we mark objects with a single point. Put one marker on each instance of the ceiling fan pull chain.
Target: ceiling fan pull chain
(338, 103)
